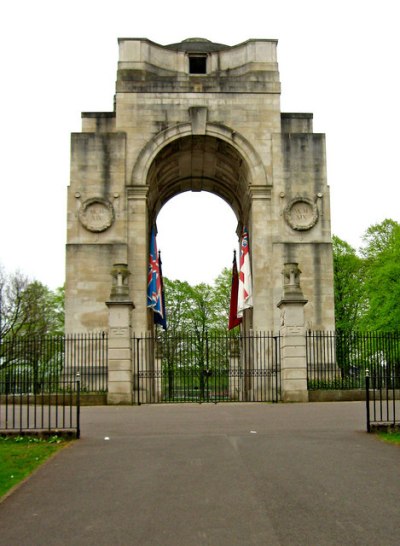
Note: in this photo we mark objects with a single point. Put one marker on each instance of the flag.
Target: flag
(154, 287)
(234, 320)
(161, 319)
(245, 294)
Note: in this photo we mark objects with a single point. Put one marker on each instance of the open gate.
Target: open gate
(207, 367)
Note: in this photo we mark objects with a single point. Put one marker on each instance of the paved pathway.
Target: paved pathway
(206, 475)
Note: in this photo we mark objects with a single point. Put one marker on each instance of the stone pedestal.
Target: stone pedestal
(120, 376)
(293, 338)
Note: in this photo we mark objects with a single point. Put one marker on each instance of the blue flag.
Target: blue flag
(154, 283)
(161, 319)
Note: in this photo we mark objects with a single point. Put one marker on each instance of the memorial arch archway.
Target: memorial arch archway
(218, 161)
(197, 115)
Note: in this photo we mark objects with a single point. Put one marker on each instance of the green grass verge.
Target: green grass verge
(391, 437)
(21, 455)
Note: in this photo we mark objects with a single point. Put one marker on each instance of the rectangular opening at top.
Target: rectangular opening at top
(197, 64)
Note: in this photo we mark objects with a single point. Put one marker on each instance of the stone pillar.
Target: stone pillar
(261, 248)
(293, 337)
(235, 379)
(120, 376)
(138, 255)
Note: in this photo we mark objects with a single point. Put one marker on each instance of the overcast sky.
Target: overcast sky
(337, 59)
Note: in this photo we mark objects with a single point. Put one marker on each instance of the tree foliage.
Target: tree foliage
(198, 308)
(193, 346)
(382, 283)
(367, 283)
(29, 313)
(29, 308)
(349, 275)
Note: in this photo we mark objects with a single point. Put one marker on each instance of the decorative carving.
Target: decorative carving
(96, 214)
(301, 214)
(291, 280)
(120, 288)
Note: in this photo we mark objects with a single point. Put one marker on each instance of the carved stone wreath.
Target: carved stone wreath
(301, 213)
(96, 214)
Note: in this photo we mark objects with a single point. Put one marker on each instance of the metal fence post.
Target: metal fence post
(367, 381)
(78, 405)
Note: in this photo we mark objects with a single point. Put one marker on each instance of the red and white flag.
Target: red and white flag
(234, 320)
(245, 294)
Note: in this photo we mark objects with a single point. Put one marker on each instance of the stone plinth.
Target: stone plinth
(120, 377)
(293, 338)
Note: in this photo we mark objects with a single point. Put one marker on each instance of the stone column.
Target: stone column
(120, 376)
(293, 337)
(138, 255)
(261, 248)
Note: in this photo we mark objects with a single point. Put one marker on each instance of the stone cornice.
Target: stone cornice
(260, 192)
(137, 192)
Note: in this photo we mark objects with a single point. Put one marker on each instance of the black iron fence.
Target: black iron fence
(339, 360)
(52, 409)
(31, 364)
(210, 367)
(382, 401)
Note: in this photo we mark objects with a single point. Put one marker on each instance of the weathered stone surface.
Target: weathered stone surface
(221, 131)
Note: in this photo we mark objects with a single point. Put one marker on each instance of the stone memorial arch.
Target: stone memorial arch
(195, 116)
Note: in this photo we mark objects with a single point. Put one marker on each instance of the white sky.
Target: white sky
(337, 59)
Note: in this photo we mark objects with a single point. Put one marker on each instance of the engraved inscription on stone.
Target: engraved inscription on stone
(293, 330)
(301, 214)
(96, 214)
(119, 332)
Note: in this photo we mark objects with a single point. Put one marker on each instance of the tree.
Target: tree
(195, 316)
(222, 296)
(349, 280)
(382, 284)
(29, 308)
(29, 312)
(378, 238)
(12, 309)
(198, 308)
(367, 284)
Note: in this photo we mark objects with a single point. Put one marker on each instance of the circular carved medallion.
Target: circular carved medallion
(301, 214)
(96, 214)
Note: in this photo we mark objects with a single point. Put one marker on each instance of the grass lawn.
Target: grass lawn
(391, 437)
(21, 455)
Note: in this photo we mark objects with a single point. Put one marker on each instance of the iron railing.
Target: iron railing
(211, 367)
(55, 409)
(339, 360)
(382, 401)
(28, 364)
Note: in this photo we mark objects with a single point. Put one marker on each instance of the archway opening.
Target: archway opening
(199, 197)
(200, 185)
(199, 163)
(196, 236)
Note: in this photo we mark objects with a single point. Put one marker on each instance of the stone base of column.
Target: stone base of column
(295, 396)
(293, 350)
(114, 399)
(120, 378)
